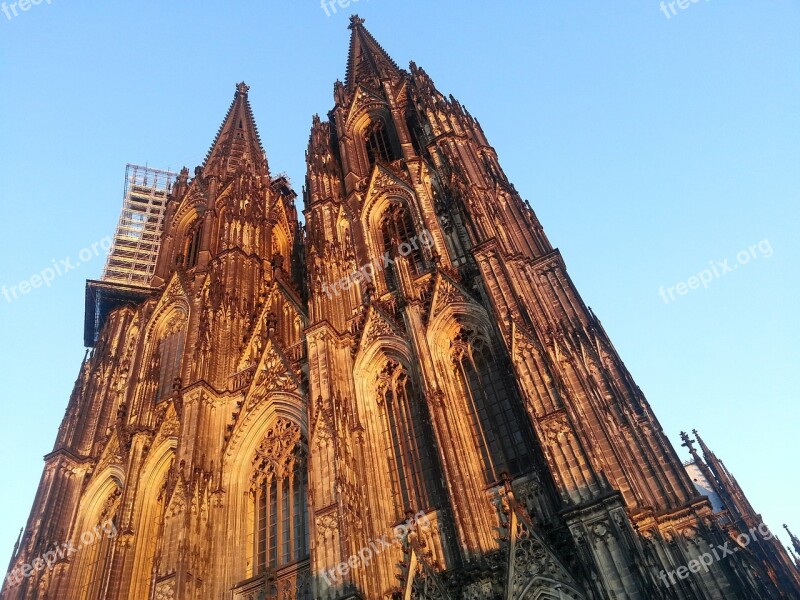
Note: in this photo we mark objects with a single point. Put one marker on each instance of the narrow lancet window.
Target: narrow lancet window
(280, 488)
(399, 238)
(193, 247)
(408, 442)
(378, 143)
(496, 423)
(170, 352)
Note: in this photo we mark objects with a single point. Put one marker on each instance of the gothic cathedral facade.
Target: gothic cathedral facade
(403, 398)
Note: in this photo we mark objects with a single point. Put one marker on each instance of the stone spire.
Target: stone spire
(367, 61)
(237, 140)
(794, 538)
(730, 491)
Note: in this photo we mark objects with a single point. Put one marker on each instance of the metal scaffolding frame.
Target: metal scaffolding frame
(133, 255)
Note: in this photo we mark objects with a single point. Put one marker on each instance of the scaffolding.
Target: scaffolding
(134, 252)
(133, 255)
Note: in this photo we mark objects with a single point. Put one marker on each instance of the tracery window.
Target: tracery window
(497, 421)
(97, 542)
(398, 237)
(279, 488)
(415, 132)
(193, 246)
(170, 352)
(408, 442)
(378, 143)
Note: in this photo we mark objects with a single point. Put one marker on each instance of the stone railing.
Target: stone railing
(242, 379)
(290, 581)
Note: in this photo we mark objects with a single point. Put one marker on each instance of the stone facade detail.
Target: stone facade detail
(405, 397)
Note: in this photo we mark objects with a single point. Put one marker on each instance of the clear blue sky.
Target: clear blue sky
(648, 147)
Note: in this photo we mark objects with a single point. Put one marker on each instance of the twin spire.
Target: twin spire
(366, 60)
(237, 140)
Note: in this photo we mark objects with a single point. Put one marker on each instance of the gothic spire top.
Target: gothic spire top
(237, 140)
(794, 538)
(366, 60)
(355, 21)
(706, 451)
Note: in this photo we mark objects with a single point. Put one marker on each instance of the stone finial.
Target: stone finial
(355, 21)
(688, 443)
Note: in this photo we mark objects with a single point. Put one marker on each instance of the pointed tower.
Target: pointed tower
(237, 141)
(180, 468)
(405, 399)
(795, 543)
(740, 520)
(728, 489)
(455, 373)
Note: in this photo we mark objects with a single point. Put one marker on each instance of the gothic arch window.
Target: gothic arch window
(398, 237)
(149, 515)
(408, 441)
(279, 488)
(95, 537)
(192, 250)
(415, 131)
(378, 142)
(493, 406)
(170, 352)
(450, 218)
(280, 242)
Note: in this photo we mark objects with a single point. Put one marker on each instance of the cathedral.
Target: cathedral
(403, 396)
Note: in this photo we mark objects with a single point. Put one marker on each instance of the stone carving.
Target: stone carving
(248, 293)
(282, 446)
(481, 590)
(327, 525)
(376, 327)
(165, 590)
